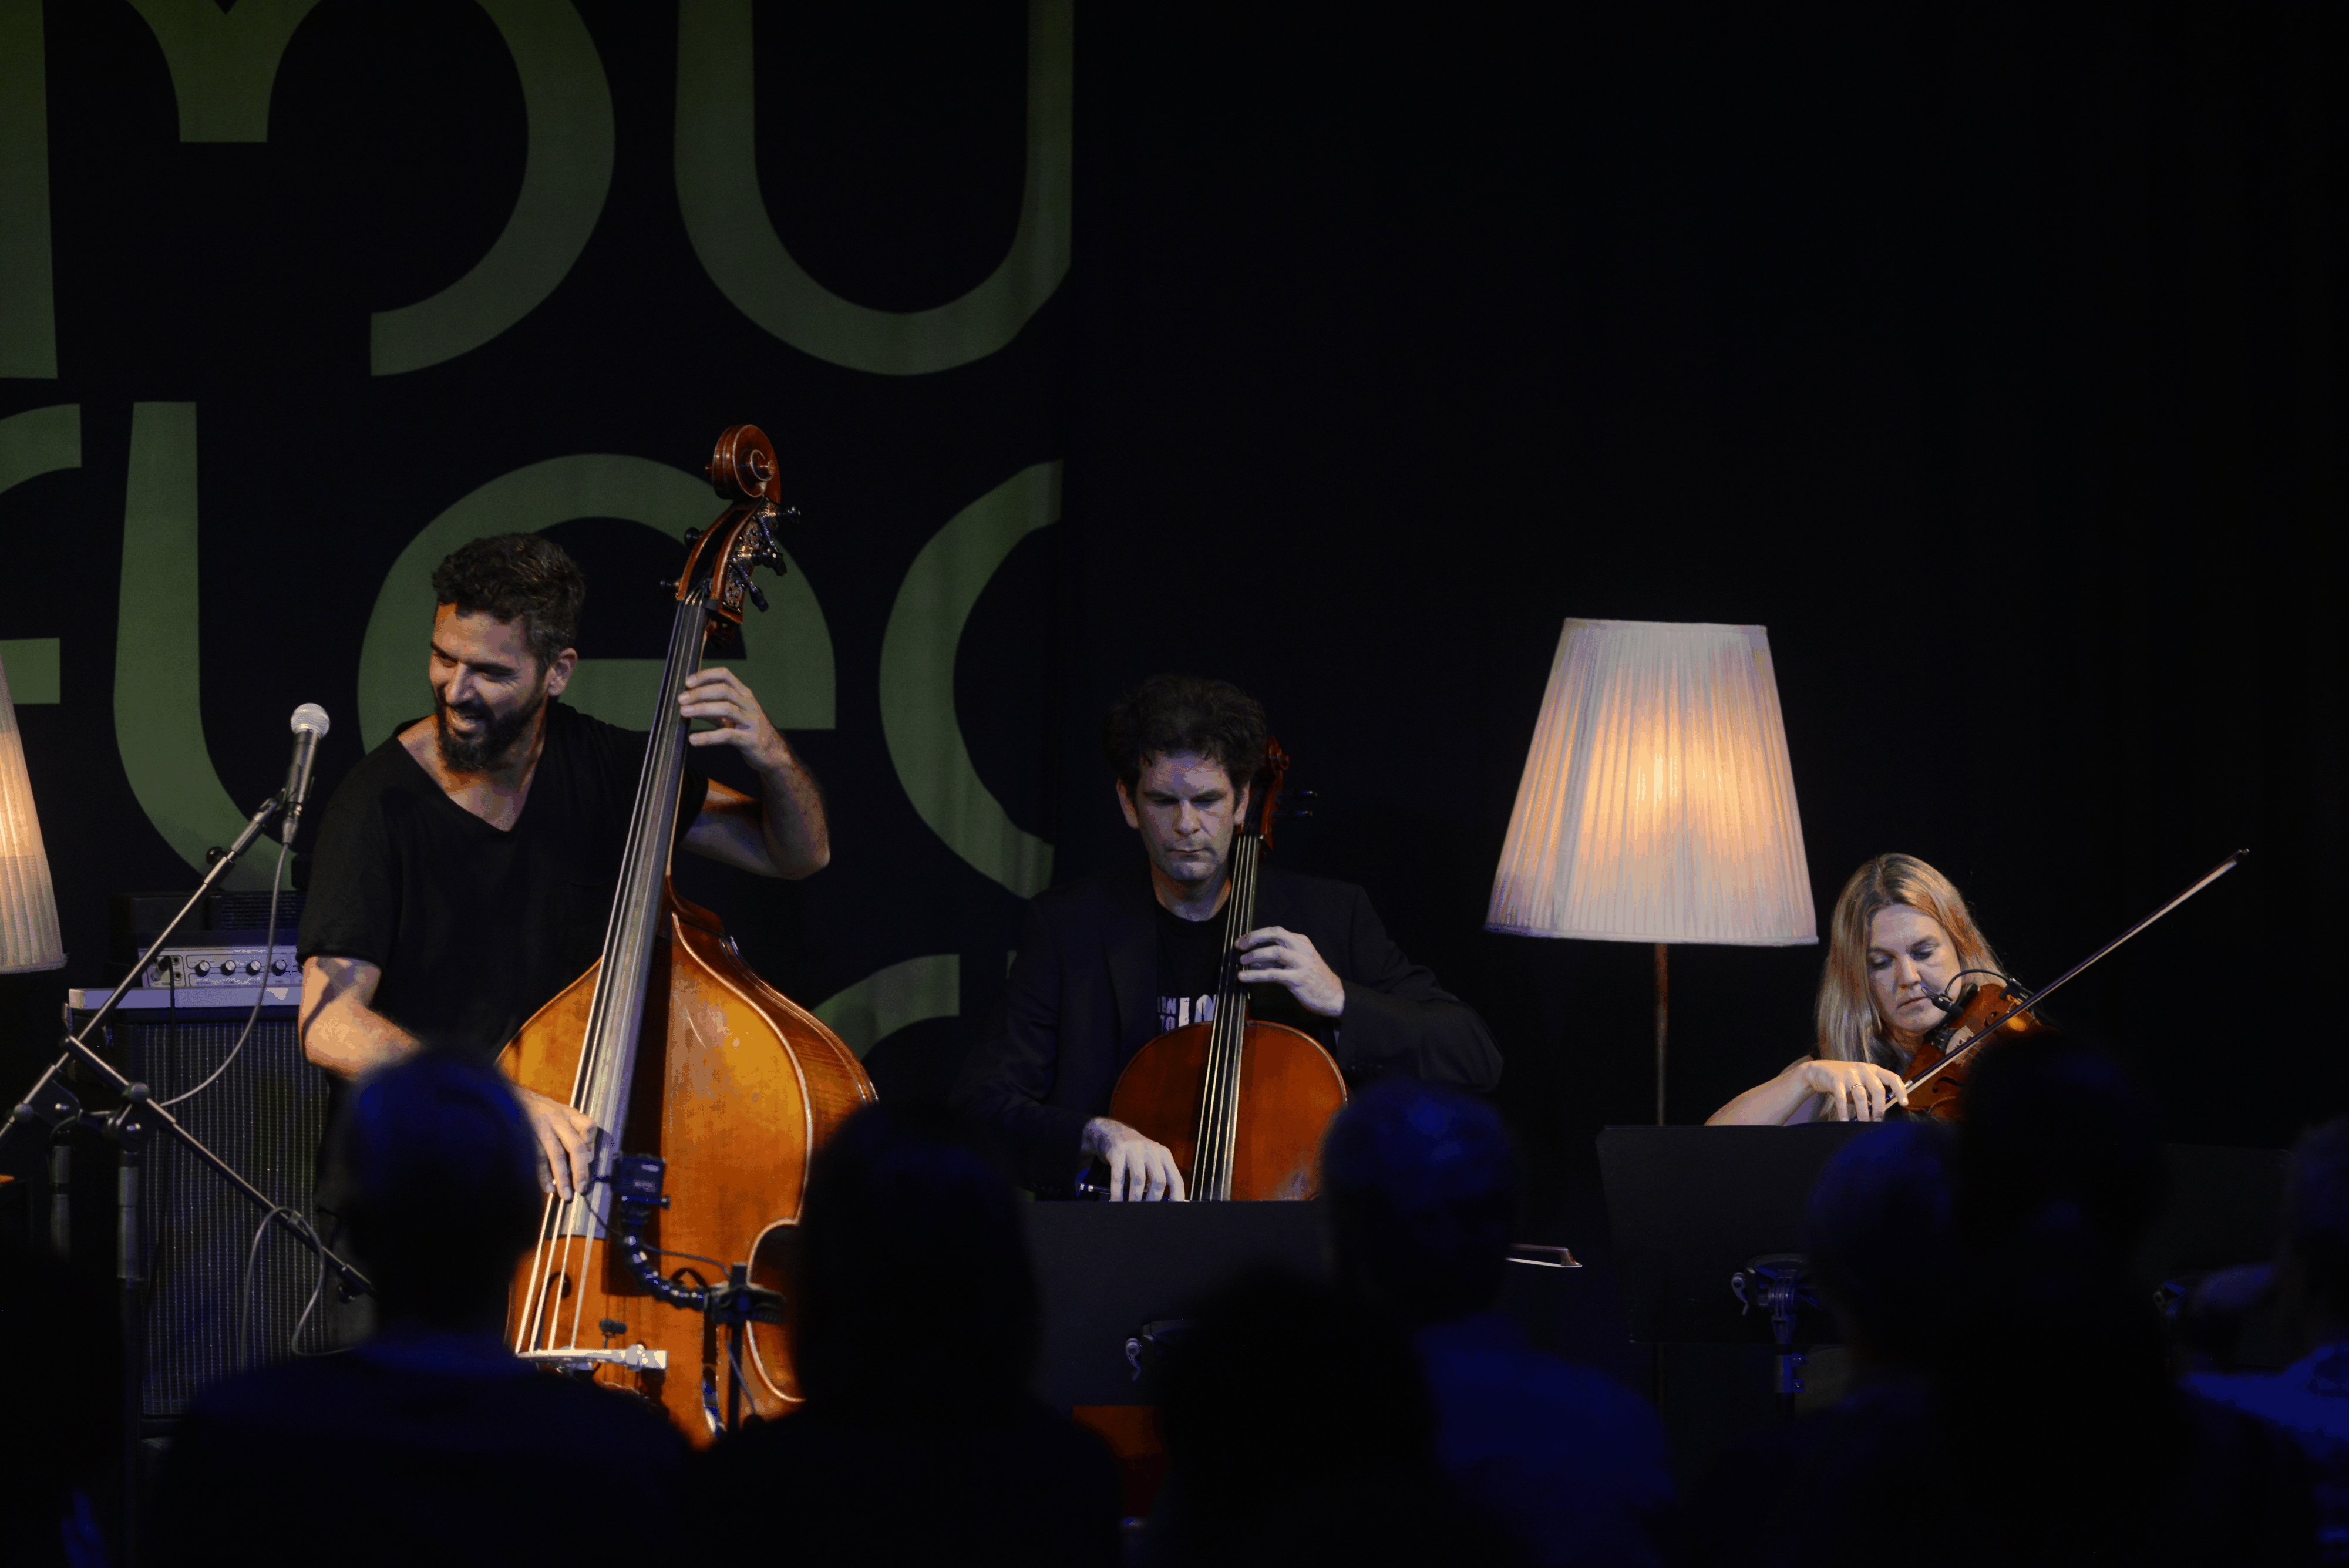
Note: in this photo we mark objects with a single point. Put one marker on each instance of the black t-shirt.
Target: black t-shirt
(1190, 961)
(476, 927)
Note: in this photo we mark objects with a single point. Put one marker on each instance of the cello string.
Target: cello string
(1245, 916)
(1203, 1152)
(1226, 1034)
(1236, 1037)
(1215, 1129)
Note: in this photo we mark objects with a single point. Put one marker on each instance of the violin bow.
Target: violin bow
(2001, 1021)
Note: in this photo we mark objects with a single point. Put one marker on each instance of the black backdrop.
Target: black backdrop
(1993, 364)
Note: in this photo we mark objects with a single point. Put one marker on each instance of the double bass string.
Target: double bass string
(562, 1235)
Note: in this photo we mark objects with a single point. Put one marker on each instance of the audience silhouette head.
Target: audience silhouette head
(1422, 1186)
(2061, 1153)
(1299, 1427)
(1878, 1233)
(899, 1203)
(2312, 1272)
(436, 1173)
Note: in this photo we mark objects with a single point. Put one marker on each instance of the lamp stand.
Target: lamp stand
(1663, 994)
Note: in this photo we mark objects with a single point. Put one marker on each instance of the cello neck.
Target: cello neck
(607, 1064)
(1219, 1098)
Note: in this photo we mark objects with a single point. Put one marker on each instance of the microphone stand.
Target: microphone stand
(52, 1102)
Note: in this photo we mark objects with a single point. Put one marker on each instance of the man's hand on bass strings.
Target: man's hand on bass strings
(1277, 957)
(1140, 1170)
(567, 1143)
(719, 695)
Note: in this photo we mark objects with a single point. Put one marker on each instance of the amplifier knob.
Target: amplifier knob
(253, 966)
(278, 966)
(203, 968)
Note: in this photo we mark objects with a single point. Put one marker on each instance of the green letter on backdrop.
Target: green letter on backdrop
(917, 665)
(566, 176)
(224, 63)
(718, 187)
(28, 323)
(158, 715)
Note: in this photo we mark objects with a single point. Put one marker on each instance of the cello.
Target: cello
(719, 1087)
(1242, 1105)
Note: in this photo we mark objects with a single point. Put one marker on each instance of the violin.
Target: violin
(1242, 1105)
(1991, 1012)
(1939, 1069)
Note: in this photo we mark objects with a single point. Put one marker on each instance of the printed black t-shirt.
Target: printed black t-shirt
(1190, 958)
(475, 929)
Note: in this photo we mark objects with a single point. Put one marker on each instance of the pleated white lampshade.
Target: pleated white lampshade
(29, 900)
(1656, 803)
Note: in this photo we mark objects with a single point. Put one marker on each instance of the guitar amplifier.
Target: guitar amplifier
(265, 1116)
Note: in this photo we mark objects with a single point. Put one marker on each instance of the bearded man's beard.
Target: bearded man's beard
(488, 750)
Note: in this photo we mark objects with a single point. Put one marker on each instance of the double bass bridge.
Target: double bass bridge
(582, 1359)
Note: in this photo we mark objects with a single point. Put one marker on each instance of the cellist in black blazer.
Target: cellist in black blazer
(1090, 989)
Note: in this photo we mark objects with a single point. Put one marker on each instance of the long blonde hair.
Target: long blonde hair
(1850, 1029)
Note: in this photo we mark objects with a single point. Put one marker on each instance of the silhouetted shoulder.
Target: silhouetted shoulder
(1029, 1486)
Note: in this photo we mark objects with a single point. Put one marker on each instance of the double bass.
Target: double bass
(1242, 1105)
(666, 1273)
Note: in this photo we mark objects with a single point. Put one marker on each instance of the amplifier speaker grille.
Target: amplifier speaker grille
(266, 1116)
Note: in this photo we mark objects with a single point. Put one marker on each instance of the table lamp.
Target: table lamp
(28, 899)
(1656, 803)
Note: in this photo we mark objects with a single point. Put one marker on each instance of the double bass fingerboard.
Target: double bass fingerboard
(607, 1064)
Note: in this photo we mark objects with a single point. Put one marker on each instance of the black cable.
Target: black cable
(244, 1290)
(318, 1290)
(604, 1220)
(259, 992)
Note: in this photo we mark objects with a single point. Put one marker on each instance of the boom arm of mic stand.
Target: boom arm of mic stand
(139, 1108)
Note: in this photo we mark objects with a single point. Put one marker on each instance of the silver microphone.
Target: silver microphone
(309, 722)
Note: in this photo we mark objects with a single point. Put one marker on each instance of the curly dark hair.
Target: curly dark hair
(1167, 715)
(508, 575)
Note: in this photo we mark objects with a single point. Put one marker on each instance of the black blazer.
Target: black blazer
(1082, 997)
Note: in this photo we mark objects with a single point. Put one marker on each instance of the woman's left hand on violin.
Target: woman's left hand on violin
(1274, 956)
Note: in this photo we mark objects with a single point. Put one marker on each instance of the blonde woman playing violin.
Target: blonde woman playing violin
(1899, 937)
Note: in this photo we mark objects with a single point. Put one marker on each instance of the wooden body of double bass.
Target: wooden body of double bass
(736, 1085)
(1289, 1089)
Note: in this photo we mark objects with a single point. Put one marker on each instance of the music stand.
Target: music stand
(1692, 1206)
(1108, 1270)
(1694, 1210)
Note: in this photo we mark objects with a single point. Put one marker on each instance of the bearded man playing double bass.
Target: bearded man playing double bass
(1108, 964)
(465, 870)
